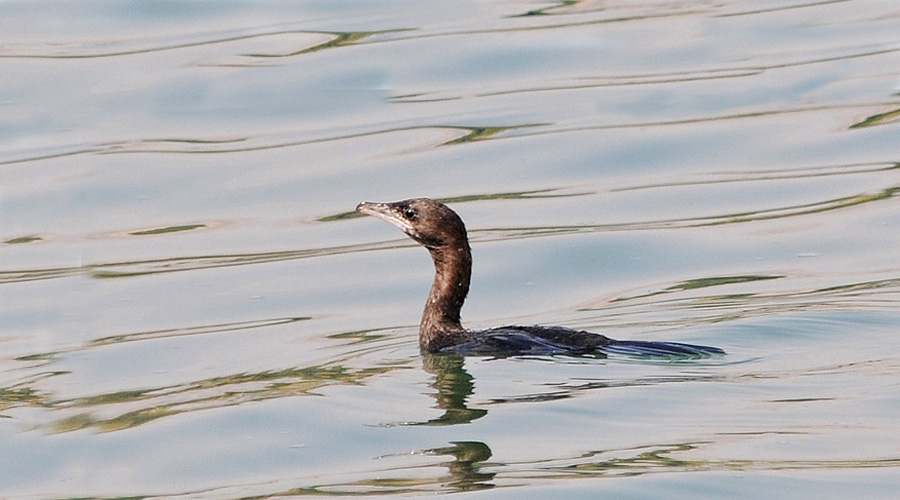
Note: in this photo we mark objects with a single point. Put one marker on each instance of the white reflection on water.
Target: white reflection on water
(190, 308)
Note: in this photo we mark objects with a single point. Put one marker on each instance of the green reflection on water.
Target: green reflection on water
(697, 283)
(197, 330)
(694, 222)
(23, 239)
(482, 133)
(164, 230)
(720, 280)
(879, 119)
(551, 9)
(341, 39)
(225, 391)
(19, 395)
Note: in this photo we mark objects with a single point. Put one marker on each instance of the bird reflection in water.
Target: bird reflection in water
(453, 386)
(465, 468)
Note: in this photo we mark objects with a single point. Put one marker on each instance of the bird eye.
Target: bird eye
(409, 213)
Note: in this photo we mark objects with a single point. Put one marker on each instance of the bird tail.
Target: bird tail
(664, 349)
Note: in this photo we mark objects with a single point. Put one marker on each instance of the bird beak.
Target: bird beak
(386, 212)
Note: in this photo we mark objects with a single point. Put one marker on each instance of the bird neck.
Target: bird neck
(440, 326)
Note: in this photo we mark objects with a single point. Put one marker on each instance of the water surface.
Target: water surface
(189, 307)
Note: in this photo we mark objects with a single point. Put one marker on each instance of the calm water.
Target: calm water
(190, 309)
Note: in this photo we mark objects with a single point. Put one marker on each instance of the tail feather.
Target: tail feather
(650, 348)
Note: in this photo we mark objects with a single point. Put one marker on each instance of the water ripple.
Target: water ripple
(189, 263)
(266, 36)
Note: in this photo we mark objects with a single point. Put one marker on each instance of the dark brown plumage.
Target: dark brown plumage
(443, 233)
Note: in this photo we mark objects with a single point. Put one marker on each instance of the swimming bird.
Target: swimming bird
(440, 230)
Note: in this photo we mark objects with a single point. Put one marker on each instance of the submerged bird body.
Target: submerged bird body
(440, 230)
